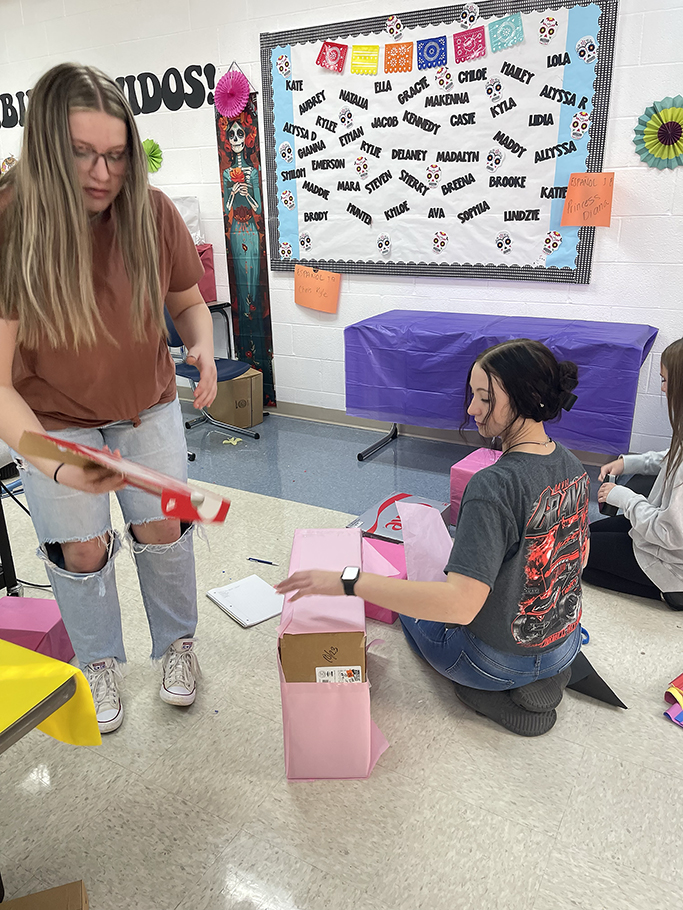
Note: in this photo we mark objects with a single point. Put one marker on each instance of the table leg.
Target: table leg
(376, 446)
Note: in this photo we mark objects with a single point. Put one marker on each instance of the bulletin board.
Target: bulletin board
(437, 142)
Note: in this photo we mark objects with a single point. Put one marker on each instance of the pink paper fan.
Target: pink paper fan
(231, 94)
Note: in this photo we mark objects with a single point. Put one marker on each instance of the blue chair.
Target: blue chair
(225, 367)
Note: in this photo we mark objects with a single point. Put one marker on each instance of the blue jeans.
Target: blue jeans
(89, 603)
(460, 656)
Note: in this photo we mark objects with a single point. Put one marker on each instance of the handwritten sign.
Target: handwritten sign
(588, 202)
(316, 289)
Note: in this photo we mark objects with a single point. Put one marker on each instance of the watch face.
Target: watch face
(350, 573)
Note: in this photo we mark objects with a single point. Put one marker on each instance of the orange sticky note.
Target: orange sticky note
(316, 289)
(588, 202)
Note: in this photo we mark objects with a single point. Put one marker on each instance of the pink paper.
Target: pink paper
(462, 471)
(35, 623)
(328, 731)
(469, 45)
(381, 557)
(426, 540)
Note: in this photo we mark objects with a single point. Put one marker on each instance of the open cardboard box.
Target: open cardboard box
(66, 897)
(303, 657)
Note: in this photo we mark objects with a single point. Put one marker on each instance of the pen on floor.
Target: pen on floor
(266, 562)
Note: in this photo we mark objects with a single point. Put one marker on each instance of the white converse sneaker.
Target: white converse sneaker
(181, 670)
(102, 677)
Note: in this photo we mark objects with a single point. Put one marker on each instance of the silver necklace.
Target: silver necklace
(530, 442)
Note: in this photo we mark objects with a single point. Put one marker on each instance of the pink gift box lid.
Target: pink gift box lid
(35, 623)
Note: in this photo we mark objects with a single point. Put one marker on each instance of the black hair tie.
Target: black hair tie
(568, 401)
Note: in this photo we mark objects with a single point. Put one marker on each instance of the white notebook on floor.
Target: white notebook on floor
(248, 601)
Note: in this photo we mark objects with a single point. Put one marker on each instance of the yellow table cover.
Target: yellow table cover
(26, 678)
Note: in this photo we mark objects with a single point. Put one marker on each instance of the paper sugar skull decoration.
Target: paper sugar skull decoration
(433, 176)
(283, 66)
(579, 127)
(285, 250)
(587, 50)
(361, 166)
(286, 152)
(346, 117)
(440, 240)
(287, 198)
(384, 244)
(7, 164)
(443, 78)
(468, 15)
(494, 159)
(305, 242)
(395, 27)
(494, 88)
(547, 29)
(552, 242)
(503, 242)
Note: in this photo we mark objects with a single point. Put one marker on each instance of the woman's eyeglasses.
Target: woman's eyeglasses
(115, 162)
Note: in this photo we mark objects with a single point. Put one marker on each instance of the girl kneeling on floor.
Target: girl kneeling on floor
(505, 627)
(641, 551)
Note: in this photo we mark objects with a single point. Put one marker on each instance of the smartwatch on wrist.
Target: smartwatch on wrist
(349, 578)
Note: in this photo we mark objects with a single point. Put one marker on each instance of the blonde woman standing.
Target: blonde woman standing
(89, 254)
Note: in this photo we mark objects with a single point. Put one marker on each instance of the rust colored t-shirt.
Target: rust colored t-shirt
(105, 383)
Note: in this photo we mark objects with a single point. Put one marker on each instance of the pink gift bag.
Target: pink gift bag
(328, 731)
(207, 283)
(35, 623)
(463, 470)
(383, 558)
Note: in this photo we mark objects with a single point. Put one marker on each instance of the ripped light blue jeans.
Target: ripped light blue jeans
(89, 603)
(457, 654)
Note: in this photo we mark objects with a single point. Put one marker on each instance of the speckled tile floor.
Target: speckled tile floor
(189, 809)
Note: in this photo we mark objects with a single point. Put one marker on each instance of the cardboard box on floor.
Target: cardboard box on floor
(239, 401)
(66, 897)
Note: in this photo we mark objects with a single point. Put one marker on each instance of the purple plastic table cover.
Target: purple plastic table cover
(410, 366)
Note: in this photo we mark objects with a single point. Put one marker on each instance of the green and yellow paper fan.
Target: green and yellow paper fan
(659, 134)
(154, 155)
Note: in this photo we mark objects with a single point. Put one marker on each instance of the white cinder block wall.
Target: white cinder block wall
(637, 270)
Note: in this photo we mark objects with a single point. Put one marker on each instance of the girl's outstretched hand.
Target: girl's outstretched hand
(311, 581)
(615, 467)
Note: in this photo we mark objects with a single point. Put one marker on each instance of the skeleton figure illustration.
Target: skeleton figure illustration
(579, 126)
(384, 244)
(440, 241)
(469, 15)
(494, 159)
(242, 200)
(443, 78)
(433, 176)
(395, 27)
(494, 88)
(552, 242)
(586, 48)
(504, 242)
(547, 29)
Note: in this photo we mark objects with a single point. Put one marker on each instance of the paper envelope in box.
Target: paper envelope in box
(382, 557)
(462, 471)
(328, 731)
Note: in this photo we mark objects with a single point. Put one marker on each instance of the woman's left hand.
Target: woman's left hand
(206, 388)
(311, 581)
(604, 490)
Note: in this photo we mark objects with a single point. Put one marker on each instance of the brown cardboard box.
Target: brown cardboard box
(301, 654)
(239, 402)
(67, 897)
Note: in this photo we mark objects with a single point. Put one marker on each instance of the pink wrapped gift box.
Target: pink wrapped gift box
(391, 563)
(36, 624)
(328, 731)
(462, 471)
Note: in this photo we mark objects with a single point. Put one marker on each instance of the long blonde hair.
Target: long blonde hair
(46, 267)
(672, 361)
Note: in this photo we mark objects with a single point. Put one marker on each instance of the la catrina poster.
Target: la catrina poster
(240, 173)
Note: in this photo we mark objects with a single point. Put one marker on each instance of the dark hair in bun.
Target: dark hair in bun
(538, 386)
